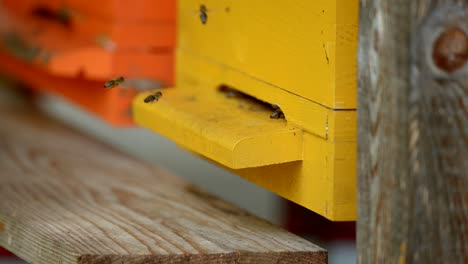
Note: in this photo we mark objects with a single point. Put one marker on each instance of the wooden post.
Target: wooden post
(412, 142)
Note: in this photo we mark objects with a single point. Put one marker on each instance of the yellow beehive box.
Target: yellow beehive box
(300, 56)
(305, 47)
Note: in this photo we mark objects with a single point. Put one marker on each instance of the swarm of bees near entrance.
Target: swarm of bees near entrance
(153, 97)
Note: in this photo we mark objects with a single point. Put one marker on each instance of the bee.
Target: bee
(114, 82)
(203, 12)
(277, 113)
(154, 97)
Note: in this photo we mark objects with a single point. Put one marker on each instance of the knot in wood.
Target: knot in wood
(450, 50)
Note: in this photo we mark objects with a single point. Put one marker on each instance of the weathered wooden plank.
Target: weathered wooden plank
(412, 139)
(67, 199)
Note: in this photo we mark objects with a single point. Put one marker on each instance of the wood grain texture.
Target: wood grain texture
(67, 199)
(412, 132)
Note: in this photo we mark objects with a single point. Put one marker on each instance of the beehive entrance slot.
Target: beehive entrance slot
(254, 103)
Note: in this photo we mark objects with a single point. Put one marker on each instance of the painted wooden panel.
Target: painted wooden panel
(305, 47)
(299, 56)
(235, 132)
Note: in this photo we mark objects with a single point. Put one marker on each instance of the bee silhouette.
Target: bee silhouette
(203, 11)
(114, 82)
(154, 97)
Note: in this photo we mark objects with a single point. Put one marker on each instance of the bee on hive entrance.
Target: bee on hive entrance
(153, 97)
(114, 82)
(277, 113)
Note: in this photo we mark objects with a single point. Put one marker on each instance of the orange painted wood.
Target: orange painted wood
(73, 56)
(111, 105)
(97, 65)
(141, 10)
(65, 52)
(123, 10)
(124, 33)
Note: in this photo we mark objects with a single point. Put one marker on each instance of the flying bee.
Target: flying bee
(154, 97)
(114, 82)
(277, 113)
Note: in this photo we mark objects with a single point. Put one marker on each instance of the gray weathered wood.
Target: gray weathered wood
(412, 139)
(67, 199)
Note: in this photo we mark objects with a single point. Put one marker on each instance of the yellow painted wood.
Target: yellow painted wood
(237, 133)
(300, 56)
(192, 114)
(324, 182)
(305, 47)
(210, 124)
(206, 75)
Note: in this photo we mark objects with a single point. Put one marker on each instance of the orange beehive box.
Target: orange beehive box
(137, 24)
(55, 45)
(112, 105)
(123, 10)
